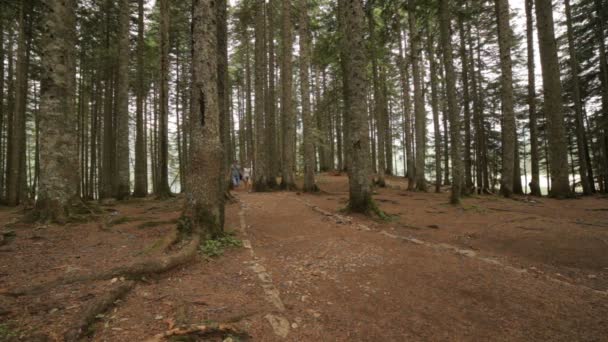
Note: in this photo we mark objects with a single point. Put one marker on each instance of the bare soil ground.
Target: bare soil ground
(491, 269)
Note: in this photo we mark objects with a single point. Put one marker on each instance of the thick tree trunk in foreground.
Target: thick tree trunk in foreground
(352, 18)
(204, 192)
(289, 120)
(307, 118)
(508, 114)
(122, 105)
(141, 160)
(558, 157)
(163, 189)
(450, 80)
(58, 153)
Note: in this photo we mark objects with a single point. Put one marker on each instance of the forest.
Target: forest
(303, 170)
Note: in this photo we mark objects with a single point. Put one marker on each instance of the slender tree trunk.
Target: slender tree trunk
(58, 131)
(141, 160)
(450, 79)
(578, 107)
(108, 151)
(260, 182)
(407, 113)
(16, 172)
(600, 30)
(205, 192)
(505, 41)
(163, 189)
(558, 157)
(534, 157)
(271, 126)
(468, 174)
(307, 118)
(223, 88)
(378, 150)
(2, 120)
(248, 104)
(419, 110)
(435, 107)
(122, 120)
(352, 20)
(287, 109)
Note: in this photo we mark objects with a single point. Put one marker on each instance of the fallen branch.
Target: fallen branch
(131, 271)
(89, 314)
(198, 330)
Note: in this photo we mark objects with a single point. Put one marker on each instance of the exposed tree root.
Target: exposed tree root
(199, 330)
(89, 313)
(131, 271)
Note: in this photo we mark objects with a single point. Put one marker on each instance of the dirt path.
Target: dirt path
(492, 269)
(340, 283)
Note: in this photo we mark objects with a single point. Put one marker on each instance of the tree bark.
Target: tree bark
(271, 121)
(352, 52)
(419, 110)
(163, 189)
(205, 194)
(466, 99)
(307, 118)
(558, 157)
(531, 99)
(578, 106)
(450, 80)
(287, 109)
(122, 113)
(435, 107)
(260, 182)
(59, 177)
(505, 41)
(141, 160)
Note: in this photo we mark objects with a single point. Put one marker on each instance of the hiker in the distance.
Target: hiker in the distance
(247, 177)
(235, 174)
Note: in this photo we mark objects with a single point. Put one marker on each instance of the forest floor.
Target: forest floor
(491, 269)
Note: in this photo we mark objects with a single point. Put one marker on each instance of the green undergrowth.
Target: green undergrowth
(7, 333)
(213, 248)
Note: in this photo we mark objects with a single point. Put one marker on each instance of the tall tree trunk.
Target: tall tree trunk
(534, 157)
(419, 110)
(435, 107)
(450, 80)
(289, 121)
(558, 158)
(16, 147)
(260, 182)
(205, 193)
(2, 120)
(122, 120)
(271, 121)
(163, 189)
(352, 52)
(248, 105)
(468, 175)
(59, 155)
(307, 119)
(578, 106)
(600, 30)
(108, 178)
(378, 150)
(141, 159)
(407, 113)
(505, 41)
(223, 87)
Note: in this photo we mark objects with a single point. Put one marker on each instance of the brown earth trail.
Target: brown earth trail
(493, 269)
